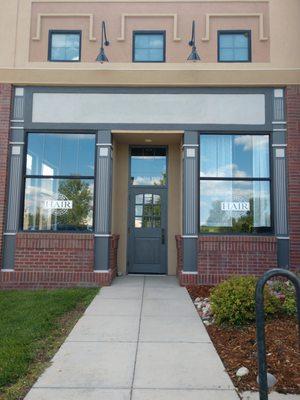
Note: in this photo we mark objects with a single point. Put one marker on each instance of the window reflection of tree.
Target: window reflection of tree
(80, 193)
(148, 215)
(162, 181)
(219, 221)
(77, 218)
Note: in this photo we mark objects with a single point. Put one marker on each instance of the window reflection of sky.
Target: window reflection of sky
(65, 47)
(57, 155)
(148, 170)
(231, 157)
(61, 154)
(149, 47)
(233, 47)
(213, 193)
(237, 156)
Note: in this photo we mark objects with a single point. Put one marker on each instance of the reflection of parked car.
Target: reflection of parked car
(67, 228)
(58, 227)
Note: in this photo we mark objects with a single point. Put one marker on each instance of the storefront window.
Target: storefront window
(59, 182)
(234, 184)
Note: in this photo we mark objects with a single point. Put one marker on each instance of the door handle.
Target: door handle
(162, 236)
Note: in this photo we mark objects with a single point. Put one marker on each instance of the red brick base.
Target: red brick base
(52, 280)
(52, 252)
(220, 257)
(52, 260)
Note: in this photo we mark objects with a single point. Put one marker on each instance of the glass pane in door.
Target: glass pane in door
(148, 166)
(147, 211)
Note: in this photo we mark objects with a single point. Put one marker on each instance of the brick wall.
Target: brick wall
(293, 156)
(53, 260)
(220, 257)
(54, 251)
(5, 106)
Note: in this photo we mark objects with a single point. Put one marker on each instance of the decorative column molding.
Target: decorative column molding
(14, 194)
(190, 200)
(280, 178)
(103, 187)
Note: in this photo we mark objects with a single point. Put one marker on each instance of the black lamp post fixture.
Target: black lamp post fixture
(104, 42)
(194, 56)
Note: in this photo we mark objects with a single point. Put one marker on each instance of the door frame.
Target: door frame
(165, 187)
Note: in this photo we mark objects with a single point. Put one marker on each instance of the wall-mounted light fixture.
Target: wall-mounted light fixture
(104, 42)
(194, 56)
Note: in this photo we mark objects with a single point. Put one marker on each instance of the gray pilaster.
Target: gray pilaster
(280, 178)
(103, 200)
(190, 200)
(14, 189)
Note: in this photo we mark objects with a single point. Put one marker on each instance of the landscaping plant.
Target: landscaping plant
(285, 292)
(233, 301)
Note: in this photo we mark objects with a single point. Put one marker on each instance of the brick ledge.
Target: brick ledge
(50, 279)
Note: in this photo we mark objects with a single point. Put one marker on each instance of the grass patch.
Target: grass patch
(33, 324)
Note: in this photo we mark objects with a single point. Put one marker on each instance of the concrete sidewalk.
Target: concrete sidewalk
(140, 339)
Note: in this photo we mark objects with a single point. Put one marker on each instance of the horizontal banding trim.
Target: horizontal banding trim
(189, 236)
(189, 272)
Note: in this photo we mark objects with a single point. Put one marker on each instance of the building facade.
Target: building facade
(121, 155)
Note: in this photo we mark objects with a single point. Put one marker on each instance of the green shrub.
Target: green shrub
(289, 305)
(233, 301)
(285, 291)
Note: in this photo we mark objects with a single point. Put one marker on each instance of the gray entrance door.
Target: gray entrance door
(147, 244)
(147, 223)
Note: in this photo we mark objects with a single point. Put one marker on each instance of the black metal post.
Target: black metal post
(260, 323)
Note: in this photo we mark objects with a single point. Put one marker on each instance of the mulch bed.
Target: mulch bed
(198, 291)
(237, 348)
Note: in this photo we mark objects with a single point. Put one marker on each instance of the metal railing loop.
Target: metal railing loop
(260, 323)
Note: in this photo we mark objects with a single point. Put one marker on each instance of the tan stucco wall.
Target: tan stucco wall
(120, 198)
(285, 33)
(8, 26)
(277, 60)
(174, 204)
(176, 50)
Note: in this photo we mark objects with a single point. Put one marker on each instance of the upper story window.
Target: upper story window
(234, 46)
(149, 46)
(64, 46)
